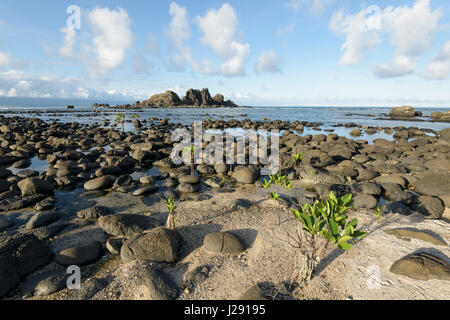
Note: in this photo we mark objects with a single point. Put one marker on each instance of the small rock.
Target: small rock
(422, 266)
(93, 213)
(127, 225)
(223, 242)
(159, 245)
(43, 218)
(80, 255)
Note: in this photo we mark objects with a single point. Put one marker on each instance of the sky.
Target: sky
(255, 52)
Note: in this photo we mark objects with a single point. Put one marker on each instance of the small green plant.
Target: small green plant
(288, 184)
(120, 118)
(378, 212)
(297, 157)
(266, 184)
(277, 179)
(208, 120)
(322, 223)
(172, 208)
(275, 196)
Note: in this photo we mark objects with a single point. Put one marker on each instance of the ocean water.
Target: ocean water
(328, 117)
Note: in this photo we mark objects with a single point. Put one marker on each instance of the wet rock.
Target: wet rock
(34, 186)
(93, 213)
(188, 188)
(364, 201)
(246, 175)
(127, 225)
(205, 169)
(396, 207)
(433, 184)
(408, 198)
(54, 282)
(4, 185)
(4, 172)
(20, 202)
(317, 158)
(123, 181)
(391, 179)
(42, 219)
(355, 133)
(20, 255)
(150, 180)
(89, 288)
(422, 266)
(170, 183)
(100, 183)
(113, 245)
(430, 207)
(404, 111)
(221, 168)
(24, 163)
(159, 245)
(189, 179)
(80, 255)
(46, 232)
(46, 204)
(6, 223)
(223, 242)
(152, 283)
(145, 191)
(215, 183)
(365, 187)
(416, 234)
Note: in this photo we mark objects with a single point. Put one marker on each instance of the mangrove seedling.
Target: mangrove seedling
(120, 118)
(297, 157)
(172, 208)
(378, 212)
(323, 223)
(275, 196)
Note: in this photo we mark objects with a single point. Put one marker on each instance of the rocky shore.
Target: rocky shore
(100, 204)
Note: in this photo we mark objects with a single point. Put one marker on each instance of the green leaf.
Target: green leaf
(333, 227)
(346, 199)
(345, 246)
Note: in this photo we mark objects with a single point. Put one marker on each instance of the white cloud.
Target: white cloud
(178, 32)
(219, 29)
(268, 61)
(411, 31)
(141, 65)
(113, 37)
(401, 66)
(439, 67)
(152, 45)
(286, 30)
(15, 83)
(179, 29)
(12, 93)
(315, 6)
(66, 49)
(4, 59)
(359, 37)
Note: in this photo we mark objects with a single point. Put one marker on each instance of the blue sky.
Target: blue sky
(287, 52)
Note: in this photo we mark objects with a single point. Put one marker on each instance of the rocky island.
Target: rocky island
(193, 99)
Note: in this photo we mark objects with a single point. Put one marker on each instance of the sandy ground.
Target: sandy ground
(361, 273)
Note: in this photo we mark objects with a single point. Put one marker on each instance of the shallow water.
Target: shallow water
(327, 116)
